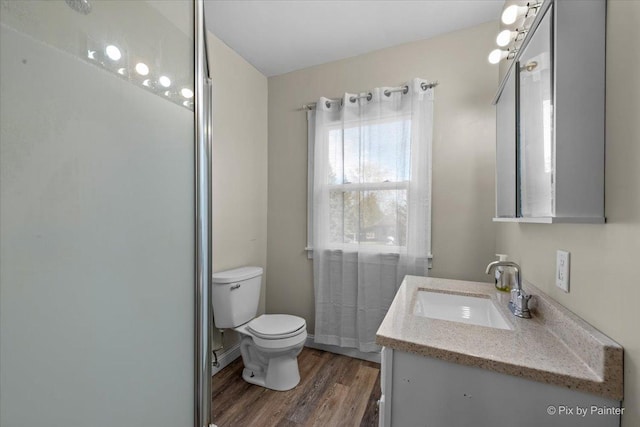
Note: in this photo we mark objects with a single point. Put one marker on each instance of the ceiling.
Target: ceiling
(277, 37)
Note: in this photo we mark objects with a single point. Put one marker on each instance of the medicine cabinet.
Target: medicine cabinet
(550, 112)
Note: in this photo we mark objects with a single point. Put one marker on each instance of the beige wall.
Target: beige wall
(239, 163)
(605, 280)
(463, 156)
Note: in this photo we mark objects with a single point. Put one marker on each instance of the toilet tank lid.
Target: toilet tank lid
(236, 275)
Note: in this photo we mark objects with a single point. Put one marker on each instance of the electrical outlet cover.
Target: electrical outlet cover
(562, 270)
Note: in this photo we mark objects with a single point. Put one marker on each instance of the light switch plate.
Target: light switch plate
(563, 260)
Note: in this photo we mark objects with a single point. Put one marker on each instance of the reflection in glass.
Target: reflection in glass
(102, 37)
(536, 125)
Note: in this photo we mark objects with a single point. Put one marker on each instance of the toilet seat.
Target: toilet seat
(276, 326)
(275, 331)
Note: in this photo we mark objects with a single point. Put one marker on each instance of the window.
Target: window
(368, 182)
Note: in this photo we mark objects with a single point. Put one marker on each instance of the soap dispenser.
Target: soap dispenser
(502, 276)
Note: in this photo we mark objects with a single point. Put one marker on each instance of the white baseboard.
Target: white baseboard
(226, 358)
(350, 352)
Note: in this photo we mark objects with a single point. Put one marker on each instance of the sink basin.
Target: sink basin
(474, 310)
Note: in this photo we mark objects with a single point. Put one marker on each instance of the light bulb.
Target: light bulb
(497, 55)
(142, 69)
(113, 52)
(505, 37)
(164, 81)
(187, 93)
(512, 13)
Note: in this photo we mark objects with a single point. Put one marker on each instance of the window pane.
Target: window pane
(344, 211)
(385, 151)
(352, 159)
(383, 216)
(335, 157)
(372, 153)
(369, 217)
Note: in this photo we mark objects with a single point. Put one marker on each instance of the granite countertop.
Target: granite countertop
(554, 347)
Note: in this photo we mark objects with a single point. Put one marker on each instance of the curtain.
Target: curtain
(371, 207)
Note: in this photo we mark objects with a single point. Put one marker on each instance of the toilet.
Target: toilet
(270, 343)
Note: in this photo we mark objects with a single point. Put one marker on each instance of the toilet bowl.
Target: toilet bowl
(270, 343)
(270, 346)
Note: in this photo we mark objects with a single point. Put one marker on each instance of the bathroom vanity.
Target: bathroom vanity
(460, 365)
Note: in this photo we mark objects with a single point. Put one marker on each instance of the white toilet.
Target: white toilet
(270, 343)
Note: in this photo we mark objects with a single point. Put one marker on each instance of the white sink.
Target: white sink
(475, 310)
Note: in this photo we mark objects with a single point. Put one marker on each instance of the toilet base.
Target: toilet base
(282, 374)
(272, 369)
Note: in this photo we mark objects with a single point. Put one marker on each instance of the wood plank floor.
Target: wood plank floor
(334, 390)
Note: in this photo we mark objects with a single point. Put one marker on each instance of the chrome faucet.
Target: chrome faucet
(519, 303)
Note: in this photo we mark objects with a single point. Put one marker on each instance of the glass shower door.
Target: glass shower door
(96, 213)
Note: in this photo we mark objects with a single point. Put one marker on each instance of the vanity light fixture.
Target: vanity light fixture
(498, 55)
(507, 36)
(113, 52)
(512, 13)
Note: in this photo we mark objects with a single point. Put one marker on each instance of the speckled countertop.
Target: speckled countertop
(554, 347)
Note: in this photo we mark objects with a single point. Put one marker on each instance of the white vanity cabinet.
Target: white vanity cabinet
(424, 391)
(550, 119)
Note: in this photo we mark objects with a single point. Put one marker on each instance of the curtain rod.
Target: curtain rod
(404, 89)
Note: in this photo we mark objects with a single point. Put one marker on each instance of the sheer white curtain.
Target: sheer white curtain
(371, 207)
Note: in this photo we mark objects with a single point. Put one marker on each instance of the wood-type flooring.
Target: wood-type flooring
(334, 390)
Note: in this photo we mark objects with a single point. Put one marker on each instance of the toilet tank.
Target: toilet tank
(235, 295)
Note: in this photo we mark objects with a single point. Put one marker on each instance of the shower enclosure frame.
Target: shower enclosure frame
(203, 236)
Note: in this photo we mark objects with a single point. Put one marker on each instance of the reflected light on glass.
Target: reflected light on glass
(121, 71)
(91, 54)
(167, 93)
(187, 93)
(186, 103)
(547, 112)
(145, 82)
(142, 69)
(497, 55)
(113, 52)
(164, 81)
(466, 312)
